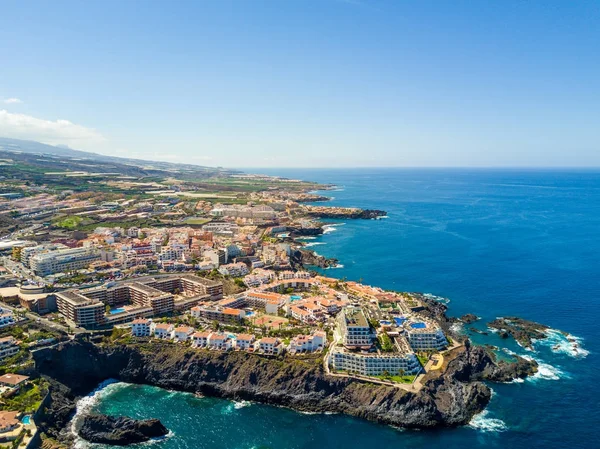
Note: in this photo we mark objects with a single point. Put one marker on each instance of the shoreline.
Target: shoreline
(77, 368)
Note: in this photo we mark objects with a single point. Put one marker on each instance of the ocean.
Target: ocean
(495, 243)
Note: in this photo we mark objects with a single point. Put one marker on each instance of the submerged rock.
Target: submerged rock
(469, 318)
(120, 430)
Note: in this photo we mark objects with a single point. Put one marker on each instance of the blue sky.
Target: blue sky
(307, 83)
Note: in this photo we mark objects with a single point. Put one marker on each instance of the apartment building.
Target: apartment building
(8, 347)
(218, 313)
(79, 309)
(424, 336)
(375, 364)
(354, 328)
(63, 260)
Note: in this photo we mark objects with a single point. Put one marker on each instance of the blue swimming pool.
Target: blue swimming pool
(418, 325)
(118, 310)
(295, 297)
(399, 321)
(384, 322)
(250, 313)
(26, 419)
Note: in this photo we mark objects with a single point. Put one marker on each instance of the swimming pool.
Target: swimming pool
(295, 297)
(384, 322)
(250, 314)
(399, 321)
(418, 325)
(119, 310)
(26, 419)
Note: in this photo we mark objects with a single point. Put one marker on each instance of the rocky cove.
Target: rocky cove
(447, 399)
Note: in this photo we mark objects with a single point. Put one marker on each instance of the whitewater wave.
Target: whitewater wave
(436, 298)
(545, 370)
(329, 228)
(563, 343)
(308, 237)
(484, 423)
(87, 403)
(339, 265)
(314, 244)
(241, 404)
(457, 328)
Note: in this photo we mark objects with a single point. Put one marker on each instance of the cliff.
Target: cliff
(450, 399)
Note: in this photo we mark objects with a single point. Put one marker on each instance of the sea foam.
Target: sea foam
(562, 343)
(484, 423)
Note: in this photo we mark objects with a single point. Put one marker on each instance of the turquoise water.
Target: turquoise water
(496, 243)
(115, 311)
(26, 419)
(418, 325)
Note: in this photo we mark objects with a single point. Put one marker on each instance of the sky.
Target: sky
(307, 83)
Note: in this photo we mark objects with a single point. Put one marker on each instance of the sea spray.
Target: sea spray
(484, 423)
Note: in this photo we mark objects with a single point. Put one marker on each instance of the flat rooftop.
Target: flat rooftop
(355, 317)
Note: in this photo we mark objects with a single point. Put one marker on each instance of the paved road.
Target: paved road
(37, 319)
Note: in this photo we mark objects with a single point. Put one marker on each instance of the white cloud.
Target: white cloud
(21, 126)
(13, 101)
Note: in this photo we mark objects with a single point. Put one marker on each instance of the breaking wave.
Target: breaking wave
(314, 244)
(484, 423)
(563, 343)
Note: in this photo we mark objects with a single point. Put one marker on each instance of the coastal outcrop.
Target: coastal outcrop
(343, 212)
(306, 257)
(523, 331)
(450, 398)
(119, 430)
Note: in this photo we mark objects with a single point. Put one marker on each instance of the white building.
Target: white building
(308, 343)
(162, 330)
(63, 260)
(268, 345)
(6, 319)
(424, 336)
(219, 341)
(375, 364)
(200, 339)
(182, 333)
(141, 327)
(234, 269)
(8, 347)
(244, 342)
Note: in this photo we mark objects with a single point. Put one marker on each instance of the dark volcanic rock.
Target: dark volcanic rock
(451, 399)
(469, 318)
(523, 331)
(119, 430)
(308, 257)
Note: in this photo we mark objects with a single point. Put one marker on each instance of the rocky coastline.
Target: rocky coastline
(447, 399)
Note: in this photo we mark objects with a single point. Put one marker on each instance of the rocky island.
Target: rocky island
(120, 430)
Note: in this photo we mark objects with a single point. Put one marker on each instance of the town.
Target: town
(162, 261)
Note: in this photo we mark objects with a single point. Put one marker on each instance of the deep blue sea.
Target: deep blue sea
(496, 243)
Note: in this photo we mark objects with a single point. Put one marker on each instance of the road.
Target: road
(37, 319)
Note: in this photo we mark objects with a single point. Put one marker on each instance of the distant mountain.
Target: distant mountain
(32, 147)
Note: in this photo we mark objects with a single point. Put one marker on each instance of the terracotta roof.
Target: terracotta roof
(13, 379)
(8, 419)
